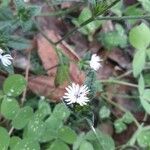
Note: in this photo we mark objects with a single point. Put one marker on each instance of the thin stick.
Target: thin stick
(23, 99)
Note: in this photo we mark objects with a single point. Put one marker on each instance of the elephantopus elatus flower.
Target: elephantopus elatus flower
(76, 94)
(95, 62)
(6, 59)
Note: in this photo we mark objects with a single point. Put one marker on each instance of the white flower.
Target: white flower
(26, 1)
(76, 94)
(5, 59)
(95, 62)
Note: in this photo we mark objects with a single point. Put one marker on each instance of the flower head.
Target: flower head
(26, 1)
(95, 62)
(5, 59)
(76, 94)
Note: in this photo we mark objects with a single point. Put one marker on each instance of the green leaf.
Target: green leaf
(127, 118)
(141, 85)
(91, 27)
(27, 144)
(139, 36)
(4, 139)
(145, 4)
(62, 74)
(138, 62)
(114, 38)
(67, 135)
(85, 145)
(18, 43)
(19, 4)
(9, 108)
(143, 138)
(104, 141)
(14, 141)
(61, 111)
(57, 144)
(52, 124)
(145, 100)
(120, 126)
(104, 112)
(22, 117)
(14, 85)
(44, 110)
(35, 129)
(78, 141)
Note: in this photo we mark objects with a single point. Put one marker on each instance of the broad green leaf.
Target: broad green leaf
(19, 4)
(44, 110)
(67, 135)
(4, 139)
(145, 100)
(27, 144)
(91, 27)
(127, 118)
(35, 128)
(61, 111)
(114, 38)
(85, 145)
(117, 9)
(79, 140)
(145, 4)
(14, 141)
(139, 36)
(104, 141)
(52, 124)
(104, 112)
(138, 62)
(18, 43)
(5, 3)
(57, 145)
(14, 85)
(144, 138)
(120, 126)
(9, 108)
(22, 117)
(141, 85)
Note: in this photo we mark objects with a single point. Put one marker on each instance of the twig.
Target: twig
(11, 130)
(26, 77)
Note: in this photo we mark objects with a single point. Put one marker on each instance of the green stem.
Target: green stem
(124, 17)
(119, 82)
(122, 95)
